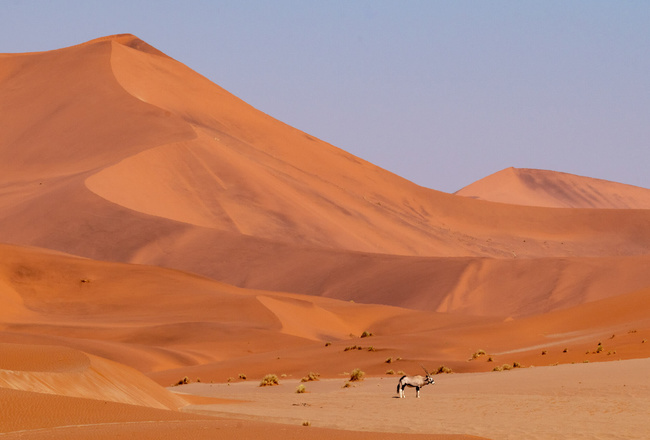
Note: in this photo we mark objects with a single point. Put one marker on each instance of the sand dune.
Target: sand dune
(153, 226)
(169, 157)
(551, 189)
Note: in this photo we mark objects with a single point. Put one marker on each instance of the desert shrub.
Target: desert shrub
(390, 372)
(544, 352)
(356, 375)
(566, 350)
(327, 344)
(306, 423)
(478, 354)
(183, 381)
(371, 348)
(506, 367)
(490, 359)
(600, 348)
(443, 370)
(401, 373)
(347, 385)
(389, 360)
(366, 334)
(310, 377)
(242, 376)
(269, 380)
(497, 368)
(516, 365)
(644, 341)
(301, 389)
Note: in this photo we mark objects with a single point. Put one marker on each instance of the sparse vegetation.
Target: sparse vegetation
(478, 354)
(389, 360)
(599, 348)
(506, 367)
(544, 352)
(353, 347)
(327, 344)
(390, 372)
(401, 373)
(242, 376)
(269, 380)
(306, 423)
(310, 377)
(183, 381)
(490, 359)
(356, 375)
(443, 370)
(371, 348)
(566, 350)
(347, 385)
(366, 334)
(644, 341)
(301, 389)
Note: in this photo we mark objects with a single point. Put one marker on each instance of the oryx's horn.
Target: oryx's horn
(425, 370)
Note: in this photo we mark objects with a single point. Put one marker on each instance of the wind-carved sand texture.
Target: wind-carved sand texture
(156, 229)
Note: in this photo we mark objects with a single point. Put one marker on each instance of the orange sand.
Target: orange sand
(155, 226)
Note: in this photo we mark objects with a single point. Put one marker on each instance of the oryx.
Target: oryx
(414, 381)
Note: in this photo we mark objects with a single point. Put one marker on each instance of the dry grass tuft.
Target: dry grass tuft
(310, 377)
(301, 389)
(269, 380)
(356, 375)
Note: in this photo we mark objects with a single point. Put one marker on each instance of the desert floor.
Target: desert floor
(608, 400)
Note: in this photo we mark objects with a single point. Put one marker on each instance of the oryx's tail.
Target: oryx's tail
(399, 383)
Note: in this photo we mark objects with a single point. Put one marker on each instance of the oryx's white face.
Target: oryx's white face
(430, 380)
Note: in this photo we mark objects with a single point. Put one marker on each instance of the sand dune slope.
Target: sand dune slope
(67, 372)
(133, 151)
(520, 186)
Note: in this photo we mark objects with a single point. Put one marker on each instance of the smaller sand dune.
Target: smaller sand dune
(67, 372)
(522, 186)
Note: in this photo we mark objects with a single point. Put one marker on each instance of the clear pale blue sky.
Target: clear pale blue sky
(440, 92)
